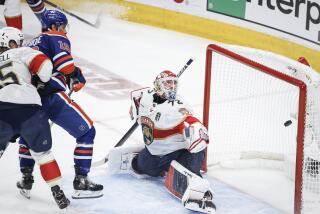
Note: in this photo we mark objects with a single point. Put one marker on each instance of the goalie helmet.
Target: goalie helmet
(8, 34)
(54, 17)
(166, 85)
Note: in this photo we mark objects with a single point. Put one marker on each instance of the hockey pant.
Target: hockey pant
(67, 114)
(31, 123)
(153, 165)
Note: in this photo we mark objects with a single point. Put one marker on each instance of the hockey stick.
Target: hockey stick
(120, 143)
(135, 125)
(95, 25)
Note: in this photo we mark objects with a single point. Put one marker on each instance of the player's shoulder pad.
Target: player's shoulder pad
(21, 52)
(28, 51)
(183, 104)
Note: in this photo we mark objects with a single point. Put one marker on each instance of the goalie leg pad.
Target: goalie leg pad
(193, 190)
(120, 159)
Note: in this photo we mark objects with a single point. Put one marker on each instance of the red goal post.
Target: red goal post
(212, 52)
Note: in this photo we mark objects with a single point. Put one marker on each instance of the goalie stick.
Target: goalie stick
(95, 25)
(135, 125)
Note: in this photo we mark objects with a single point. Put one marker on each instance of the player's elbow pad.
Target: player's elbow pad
(197, 137)
(45, 71)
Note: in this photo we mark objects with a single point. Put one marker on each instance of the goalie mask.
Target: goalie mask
(166, 84)
(8, 34)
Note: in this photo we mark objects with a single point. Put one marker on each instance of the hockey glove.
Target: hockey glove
(35, 80)
(197, 137)
(76, 80)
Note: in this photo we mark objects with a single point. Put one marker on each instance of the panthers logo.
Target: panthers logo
(147, 130)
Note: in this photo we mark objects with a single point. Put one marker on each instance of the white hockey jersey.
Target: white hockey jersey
(16, 67)
(169, 126)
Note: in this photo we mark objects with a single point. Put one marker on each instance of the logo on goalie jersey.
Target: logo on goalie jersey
(147, 130)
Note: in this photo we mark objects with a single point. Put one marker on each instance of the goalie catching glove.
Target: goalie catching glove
(76, 80)
(196, 135)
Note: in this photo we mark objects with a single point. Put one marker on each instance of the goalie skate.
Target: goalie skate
(204, 206)
(84, 188)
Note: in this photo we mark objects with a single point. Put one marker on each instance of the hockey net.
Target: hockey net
(262, 110)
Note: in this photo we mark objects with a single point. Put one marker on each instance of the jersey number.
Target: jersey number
(9, 78)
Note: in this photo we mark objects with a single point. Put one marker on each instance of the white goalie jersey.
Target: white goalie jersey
(169, 126)
(16, 68)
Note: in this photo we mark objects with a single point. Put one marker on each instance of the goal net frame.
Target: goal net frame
(276, 74)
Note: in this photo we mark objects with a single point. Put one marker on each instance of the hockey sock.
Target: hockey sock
(83, 157)
(15, 21)
(48, 166)
(25, 158)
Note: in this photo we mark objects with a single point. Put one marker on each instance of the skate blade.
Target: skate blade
(25, 193)
(195, 207)
(82, 194)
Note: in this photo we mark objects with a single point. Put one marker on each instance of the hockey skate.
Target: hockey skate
(25, 185)
(84, 188)
(205, 205)
(59, 196)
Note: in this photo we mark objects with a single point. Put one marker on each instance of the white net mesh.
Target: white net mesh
(253, 118)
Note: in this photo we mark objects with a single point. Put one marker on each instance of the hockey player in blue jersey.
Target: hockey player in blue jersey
(60, 108)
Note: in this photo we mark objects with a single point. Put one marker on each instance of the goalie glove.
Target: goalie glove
(197, 136)
(136, 97)
(76, 80)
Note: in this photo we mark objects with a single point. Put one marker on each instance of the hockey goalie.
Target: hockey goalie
(175, 143)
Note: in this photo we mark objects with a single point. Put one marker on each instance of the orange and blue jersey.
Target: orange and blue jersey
(56, 46)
